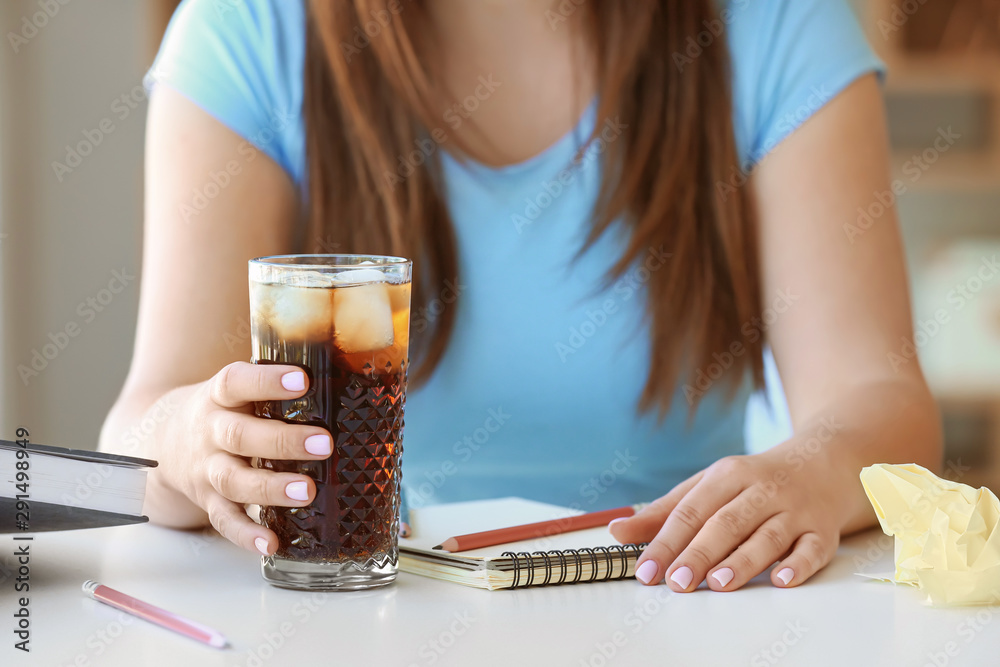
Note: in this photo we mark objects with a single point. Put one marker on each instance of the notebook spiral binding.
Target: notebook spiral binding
(559, 561)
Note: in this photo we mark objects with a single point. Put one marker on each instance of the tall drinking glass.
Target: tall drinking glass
(345, 320)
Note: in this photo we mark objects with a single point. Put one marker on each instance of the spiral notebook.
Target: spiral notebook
(582, 556)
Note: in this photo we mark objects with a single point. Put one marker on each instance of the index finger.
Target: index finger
(646, 523)
(241, 383)
(681, 525)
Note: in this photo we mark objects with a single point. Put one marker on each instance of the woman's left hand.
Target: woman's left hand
(733, 520)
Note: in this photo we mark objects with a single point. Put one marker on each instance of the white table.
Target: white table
(836, 619)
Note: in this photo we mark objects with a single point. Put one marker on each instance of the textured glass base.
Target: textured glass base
(325, 576)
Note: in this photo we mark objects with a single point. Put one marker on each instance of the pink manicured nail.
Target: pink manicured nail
(297, 491)
(682, 576)
(318, 445)
(786, 575)
(646, 571)
(294, 381)
(612, 523)
(261, 545)
(723, 575)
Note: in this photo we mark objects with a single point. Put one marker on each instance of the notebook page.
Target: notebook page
(432, 525)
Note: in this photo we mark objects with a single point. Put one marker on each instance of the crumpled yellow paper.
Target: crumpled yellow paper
(947, 535)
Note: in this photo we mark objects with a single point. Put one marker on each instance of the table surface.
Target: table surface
(838, 618)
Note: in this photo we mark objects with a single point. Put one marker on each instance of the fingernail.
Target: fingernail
(261, 545)
(723, 575)
(404, 529)
(612, 523)
(646, 571)
(297, 491)
(786, 575)
(294, 381)
(682, 576)
(318, 445)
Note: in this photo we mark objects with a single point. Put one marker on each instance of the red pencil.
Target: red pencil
(161, 617)
(530, 531)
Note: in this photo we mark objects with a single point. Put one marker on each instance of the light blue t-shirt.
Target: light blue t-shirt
(537, 393)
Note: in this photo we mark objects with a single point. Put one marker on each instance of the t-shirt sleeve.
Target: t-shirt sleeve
(242, 63)
(790, 57)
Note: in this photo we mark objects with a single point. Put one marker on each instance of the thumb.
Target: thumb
(646, 523)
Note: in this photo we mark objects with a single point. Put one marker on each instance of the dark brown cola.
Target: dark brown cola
(357, 383)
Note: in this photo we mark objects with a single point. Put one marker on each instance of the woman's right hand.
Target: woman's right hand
(214, 433)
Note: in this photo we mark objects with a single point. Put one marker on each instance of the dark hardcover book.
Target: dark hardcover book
(68, 489)
(45, 517)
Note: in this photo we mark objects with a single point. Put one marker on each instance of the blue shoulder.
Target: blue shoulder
(790, 57)
(242, 61)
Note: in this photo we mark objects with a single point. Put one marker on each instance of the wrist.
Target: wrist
(841, 465)
(831, 471)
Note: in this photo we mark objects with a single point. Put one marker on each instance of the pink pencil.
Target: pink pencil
(161, 617)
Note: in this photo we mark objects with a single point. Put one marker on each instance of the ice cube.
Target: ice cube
(362, 316)
(359, 276)
(308, 279)
(302, 311)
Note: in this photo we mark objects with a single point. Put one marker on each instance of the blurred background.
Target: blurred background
(71, 141)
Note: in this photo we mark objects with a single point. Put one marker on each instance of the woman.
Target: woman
(612, 207)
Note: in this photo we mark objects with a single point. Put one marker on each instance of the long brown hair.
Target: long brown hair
(366, 106)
